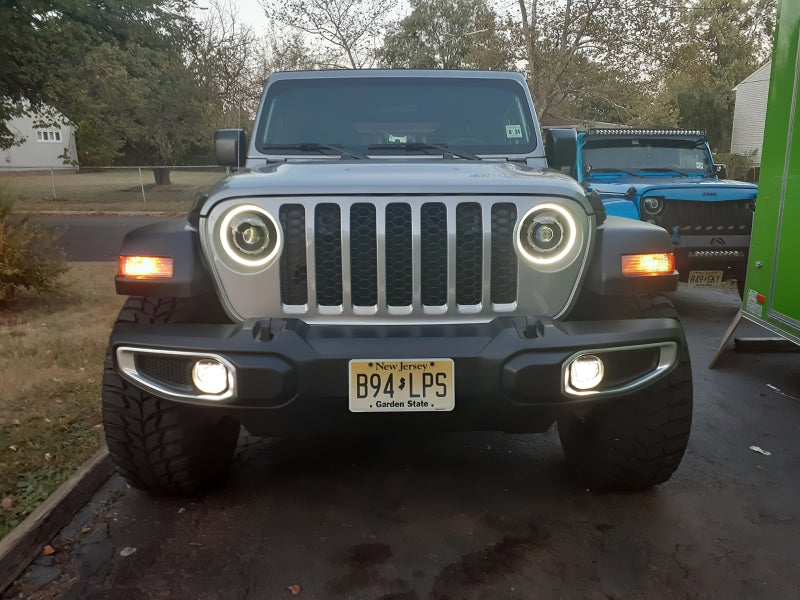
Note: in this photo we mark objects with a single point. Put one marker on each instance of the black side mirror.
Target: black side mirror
(560, 148)
(721, 171)
(230, 146)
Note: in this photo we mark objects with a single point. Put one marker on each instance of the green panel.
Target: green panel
(775, 244)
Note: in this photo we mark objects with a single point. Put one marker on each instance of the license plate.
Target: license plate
(402, 385)
(705, 277)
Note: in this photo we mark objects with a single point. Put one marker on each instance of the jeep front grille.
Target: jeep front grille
(706, 218)
(398, 256)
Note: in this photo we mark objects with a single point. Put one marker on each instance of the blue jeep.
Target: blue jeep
(668, 177)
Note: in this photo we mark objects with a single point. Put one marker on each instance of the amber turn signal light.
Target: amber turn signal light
(145, 267)
(648, 265)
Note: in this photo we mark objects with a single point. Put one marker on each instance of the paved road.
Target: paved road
(472, 516)
(94, 238)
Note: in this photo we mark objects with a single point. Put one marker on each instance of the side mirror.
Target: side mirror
(560, 148)
(721, 171)
(230, 146)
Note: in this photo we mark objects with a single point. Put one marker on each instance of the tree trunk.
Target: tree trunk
(161, 175)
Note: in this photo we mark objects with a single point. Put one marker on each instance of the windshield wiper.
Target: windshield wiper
(315, 147)
(665, 170)
(612, 170)
(423, 147)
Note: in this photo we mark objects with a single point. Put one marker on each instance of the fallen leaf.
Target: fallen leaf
(295, 589)
(48, 456)
(12, 448)
(760, 451)
(6, 503)
(48, 550)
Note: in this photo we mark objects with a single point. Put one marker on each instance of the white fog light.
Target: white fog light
(586, 372)
(210, 376)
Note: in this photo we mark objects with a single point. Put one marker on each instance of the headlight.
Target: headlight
(249, 236)
(547, 235)
(652, 206)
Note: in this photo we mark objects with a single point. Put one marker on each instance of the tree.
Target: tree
(721, 43)
(593, 58)
(42, 42)
(440, 34)
(349, 27)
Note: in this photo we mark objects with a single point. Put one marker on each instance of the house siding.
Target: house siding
(35, 152)
(750, 113)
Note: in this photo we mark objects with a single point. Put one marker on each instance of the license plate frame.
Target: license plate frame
(401, 385)
(706, 277)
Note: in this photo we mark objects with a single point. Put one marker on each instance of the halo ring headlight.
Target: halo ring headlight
(547, 234)
(652, 206)
(249, 236)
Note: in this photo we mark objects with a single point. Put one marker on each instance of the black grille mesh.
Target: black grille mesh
(398, 254)
(294, 270)
(363, 255)
(504, 259)
(469, 253)
(328, 255)
(706, 218)
(434, 254)
(174, 370)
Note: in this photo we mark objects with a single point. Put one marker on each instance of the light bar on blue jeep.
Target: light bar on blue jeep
(631, 131)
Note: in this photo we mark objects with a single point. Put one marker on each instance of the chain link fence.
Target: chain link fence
(107, 188)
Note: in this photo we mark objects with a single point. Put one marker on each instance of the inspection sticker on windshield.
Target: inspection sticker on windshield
(513, 131)
(407, 385)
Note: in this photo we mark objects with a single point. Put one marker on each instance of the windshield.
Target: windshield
(642, 156)
(394, 115)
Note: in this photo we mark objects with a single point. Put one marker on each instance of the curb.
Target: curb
(20, 547)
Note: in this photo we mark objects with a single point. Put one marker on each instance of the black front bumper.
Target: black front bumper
(291, 376)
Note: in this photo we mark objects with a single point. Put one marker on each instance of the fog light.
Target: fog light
(210, 376)
(586, 372)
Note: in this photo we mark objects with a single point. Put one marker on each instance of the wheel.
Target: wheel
(637, 442)
(157, 445)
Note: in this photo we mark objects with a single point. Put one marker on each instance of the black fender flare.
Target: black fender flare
(616, 237)
(169, 239)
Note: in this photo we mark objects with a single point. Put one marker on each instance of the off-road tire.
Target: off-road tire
(157, 445)
(637, 442)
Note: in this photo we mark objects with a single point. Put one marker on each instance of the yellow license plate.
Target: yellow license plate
(402, 385)
(705, 277)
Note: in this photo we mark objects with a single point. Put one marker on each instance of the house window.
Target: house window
(48, 136)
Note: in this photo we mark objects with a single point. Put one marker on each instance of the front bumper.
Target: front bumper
(509, 374)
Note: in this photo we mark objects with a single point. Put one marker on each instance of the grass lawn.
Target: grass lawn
(106, 190)
(51, 364)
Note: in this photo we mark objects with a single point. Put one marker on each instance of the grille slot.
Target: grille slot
(434, 254)
(328, 254)
(363, 255)
(504, 259)
(294, 270)
(469, 253)
(397, 256)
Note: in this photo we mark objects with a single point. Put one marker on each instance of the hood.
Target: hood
(402, 177)
(710, 190)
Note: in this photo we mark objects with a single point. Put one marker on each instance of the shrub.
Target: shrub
(30, 255)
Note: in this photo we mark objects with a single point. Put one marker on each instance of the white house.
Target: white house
(42, 148)
(749, 114)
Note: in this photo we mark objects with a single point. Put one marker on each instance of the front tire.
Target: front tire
(157, 445)
(638, 441)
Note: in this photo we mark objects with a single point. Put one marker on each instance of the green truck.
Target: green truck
(772, 290)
